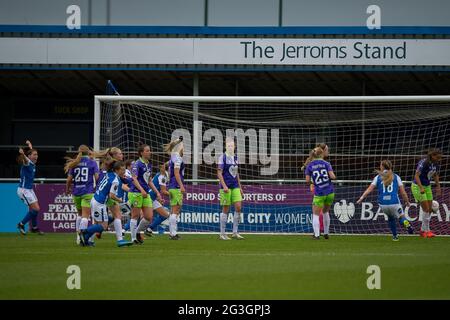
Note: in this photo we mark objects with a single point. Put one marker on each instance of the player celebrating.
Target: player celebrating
(427, 169)
(176, 187)
(160, 182)
(138, 196)
(27, 161)
(82, 172)
(321, 173)
(107, 189)
(230, 189)
(389, 185)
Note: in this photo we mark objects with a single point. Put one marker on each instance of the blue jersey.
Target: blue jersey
(128, 181)
(27, 172)
(111, 183)
(388, 195)
(158, 180)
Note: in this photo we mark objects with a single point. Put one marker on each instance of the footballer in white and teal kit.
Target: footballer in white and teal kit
(389, 185)
(108, 188)
(25, 191)
(160, 182)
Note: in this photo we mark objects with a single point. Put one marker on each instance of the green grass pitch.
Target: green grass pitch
(202, 267)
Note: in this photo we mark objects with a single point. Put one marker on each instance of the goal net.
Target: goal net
(273, 138)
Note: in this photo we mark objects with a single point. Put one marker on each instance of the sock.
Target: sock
(118, 229)
(84, 224)
(236, 218)
(34, 215)
(126, 227)
(92, 238)
(223, 222)
(316, 225)
(92, 230)
(133, 226)
(157, 220)
(425, 222)
(26, 218)
(428, 218)
(173, 224)
(393, 226)
(143, 225)
(77, 223)
(326, 223)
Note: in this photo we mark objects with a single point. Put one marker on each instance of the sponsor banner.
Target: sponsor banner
(266, 208)
(225, 51)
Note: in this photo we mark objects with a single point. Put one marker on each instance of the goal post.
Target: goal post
(273, 137)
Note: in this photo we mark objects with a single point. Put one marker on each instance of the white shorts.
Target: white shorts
(99, 212)
(392, 210)
(156, 204)
(27, 196)
(124, 208)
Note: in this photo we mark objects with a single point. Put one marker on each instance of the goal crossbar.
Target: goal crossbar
(305, 99)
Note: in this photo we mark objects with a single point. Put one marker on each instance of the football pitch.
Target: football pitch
(202, 267)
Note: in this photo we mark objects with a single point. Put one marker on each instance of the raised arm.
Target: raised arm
(23, 159)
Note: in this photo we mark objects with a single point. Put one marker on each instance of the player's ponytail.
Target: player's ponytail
(100, 154)
(387, 175)
(173, 146)
(71, 163)
(317, 152)
(307, 161)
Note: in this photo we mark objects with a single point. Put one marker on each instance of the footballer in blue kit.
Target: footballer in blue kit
(108, 188)
(160, 181)
(27, 161)
(389, 185)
